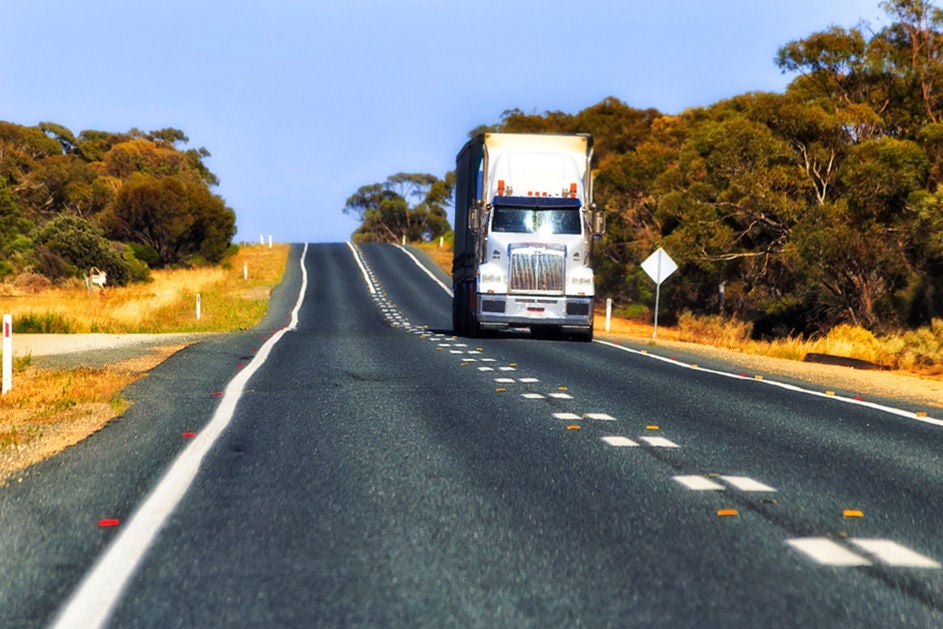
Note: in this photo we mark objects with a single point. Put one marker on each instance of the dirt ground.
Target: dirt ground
(124, 358)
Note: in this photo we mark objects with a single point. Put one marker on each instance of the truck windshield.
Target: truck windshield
(535, 221)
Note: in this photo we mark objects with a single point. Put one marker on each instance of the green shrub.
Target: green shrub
(44, 323)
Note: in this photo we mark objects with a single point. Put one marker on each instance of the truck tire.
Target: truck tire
(457, 311)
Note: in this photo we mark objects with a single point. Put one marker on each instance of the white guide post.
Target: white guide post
(198, 306)
(7, 353)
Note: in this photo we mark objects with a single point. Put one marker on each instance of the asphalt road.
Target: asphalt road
(377, 471)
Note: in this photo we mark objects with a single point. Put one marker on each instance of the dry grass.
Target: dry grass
(440, 255)
(49, 410)
(166, 304)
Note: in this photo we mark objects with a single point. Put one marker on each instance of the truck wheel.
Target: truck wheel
(456, 312)
(474, 328)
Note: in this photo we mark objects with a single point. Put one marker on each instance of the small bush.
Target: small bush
(854, 342)
(44, 323)
(32, 282)
(722, 331)
(637, 312)
(922, 347)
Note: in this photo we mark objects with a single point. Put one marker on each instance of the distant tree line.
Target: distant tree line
(122, 202)
(406, 205)
(795, 212)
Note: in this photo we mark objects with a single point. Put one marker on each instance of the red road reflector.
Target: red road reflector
(109, 522)
(188, 434)
(217, 394)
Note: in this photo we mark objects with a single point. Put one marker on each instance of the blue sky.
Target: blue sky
(300, 103)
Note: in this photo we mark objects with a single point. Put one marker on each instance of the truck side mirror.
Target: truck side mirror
(474, 215)
(599, 221)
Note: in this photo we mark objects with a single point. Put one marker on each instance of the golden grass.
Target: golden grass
(49, 410)
(440, 255)
(167, 303)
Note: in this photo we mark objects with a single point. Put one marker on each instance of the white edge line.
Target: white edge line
(93, 602)
(427, 271)
(791, 387)
(363, 269)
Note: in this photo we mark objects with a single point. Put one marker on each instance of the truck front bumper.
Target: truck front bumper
(499, 311)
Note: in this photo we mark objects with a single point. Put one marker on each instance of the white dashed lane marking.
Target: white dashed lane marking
(568, 416)
(659, 442)
(826, 552)
(620, 442)
(894, 554)
(830, 553)
(606, 417)
(654, 442)
(701, 483)
(746, 484)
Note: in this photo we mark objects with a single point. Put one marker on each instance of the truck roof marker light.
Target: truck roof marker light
(500, 187)
(573, 190)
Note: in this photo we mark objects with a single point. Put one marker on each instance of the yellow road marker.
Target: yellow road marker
(651, 427)
(758, 377)
(829, 393)
(562, 388)
(500, 390)
(852, 513)
(727, 512)
(573, 427)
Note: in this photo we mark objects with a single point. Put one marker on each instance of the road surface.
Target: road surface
(369, 469)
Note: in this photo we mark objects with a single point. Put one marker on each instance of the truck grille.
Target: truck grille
(537, 269)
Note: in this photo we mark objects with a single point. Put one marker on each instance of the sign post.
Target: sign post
(7, 353)
(659, 266)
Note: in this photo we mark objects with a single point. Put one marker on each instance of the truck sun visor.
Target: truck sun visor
(538, 203)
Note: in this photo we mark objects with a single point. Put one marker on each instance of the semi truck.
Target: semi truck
(525, 223)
